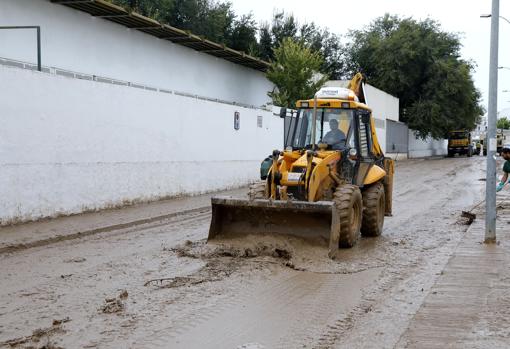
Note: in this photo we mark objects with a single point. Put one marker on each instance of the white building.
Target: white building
(125, 110)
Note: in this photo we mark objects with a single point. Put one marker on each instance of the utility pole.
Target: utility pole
(490, 184)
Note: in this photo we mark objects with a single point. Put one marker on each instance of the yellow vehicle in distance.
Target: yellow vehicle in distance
(459, 142)
(500, 140)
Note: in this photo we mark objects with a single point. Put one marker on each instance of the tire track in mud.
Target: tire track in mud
(269, 313)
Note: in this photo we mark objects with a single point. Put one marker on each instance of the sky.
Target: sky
(460, 16)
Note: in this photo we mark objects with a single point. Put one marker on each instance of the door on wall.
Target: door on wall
(397, 140)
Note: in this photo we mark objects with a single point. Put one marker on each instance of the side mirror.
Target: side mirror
(283, 112)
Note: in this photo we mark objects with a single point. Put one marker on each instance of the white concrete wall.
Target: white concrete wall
(419, 148)
(384, 106)
(76, 41)
(69, 145)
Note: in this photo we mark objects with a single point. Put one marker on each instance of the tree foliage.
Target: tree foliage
(317, 39)
(294, 72)
(213, 20)
(216, 21)
(503, 123)
(420, 64)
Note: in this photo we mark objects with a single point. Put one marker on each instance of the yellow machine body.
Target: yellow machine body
(298, 195)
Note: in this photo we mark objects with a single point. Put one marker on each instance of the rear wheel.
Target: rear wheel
(348, 203)
(257, 190)
(373, 210)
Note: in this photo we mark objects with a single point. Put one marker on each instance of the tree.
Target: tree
(503, 123)
(244, 35)
(418, 63)
(266, 43)
(283, 26)
(309, 34)
(294, 72)
(328, 44)
(149, 8)
(213, 20)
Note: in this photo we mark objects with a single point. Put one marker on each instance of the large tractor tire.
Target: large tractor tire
(373, 210)
(348, 202)
(257, 190)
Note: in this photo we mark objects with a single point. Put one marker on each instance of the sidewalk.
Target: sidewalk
(469, 305)
(46, 231)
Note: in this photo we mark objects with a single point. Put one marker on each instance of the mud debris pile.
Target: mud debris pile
(114, 305)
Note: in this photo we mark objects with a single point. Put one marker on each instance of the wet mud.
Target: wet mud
(161, 285)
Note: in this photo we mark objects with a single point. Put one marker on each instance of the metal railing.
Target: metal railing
(102, 79)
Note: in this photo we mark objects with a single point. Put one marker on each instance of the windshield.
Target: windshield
(333, 127)
(458, 135)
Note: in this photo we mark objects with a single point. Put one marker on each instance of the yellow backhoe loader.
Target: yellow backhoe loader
(330, 184)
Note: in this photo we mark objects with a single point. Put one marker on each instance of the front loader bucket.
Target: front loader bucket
(312, 221)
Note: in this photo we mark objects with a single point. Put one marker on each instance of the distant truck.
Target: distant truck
(502, 137)
(459, 142)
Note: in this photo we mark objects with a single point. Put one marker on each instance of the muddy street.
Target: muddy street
(158, 285)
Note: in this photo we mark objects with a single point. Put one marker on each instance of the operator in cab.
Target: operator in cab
(335, 137)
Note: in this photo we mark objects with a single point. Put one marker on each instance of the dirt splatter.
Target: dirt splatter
(221, 260)
(112, 306)
(233, 248)
(213, 271)
(40, 338)
(75, 260)
(115, 305)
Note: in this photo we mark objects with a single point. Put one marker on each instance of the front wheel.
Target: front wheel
(373, 210)
(348, 203)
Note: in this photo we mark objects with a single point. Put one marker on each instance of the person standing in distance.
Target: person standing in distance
(505, 153)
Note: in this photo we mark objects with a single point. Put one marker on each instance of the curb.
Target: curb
(105, 229)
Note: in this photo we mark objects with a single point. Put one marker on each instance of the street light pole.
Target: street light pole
(490, 15)
(490, 184)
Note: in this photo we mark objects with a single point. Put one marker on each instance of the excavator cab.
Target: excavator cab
(330, 184)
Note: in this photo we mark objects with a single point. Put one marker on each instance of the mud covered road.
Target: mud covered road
(160, 286)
